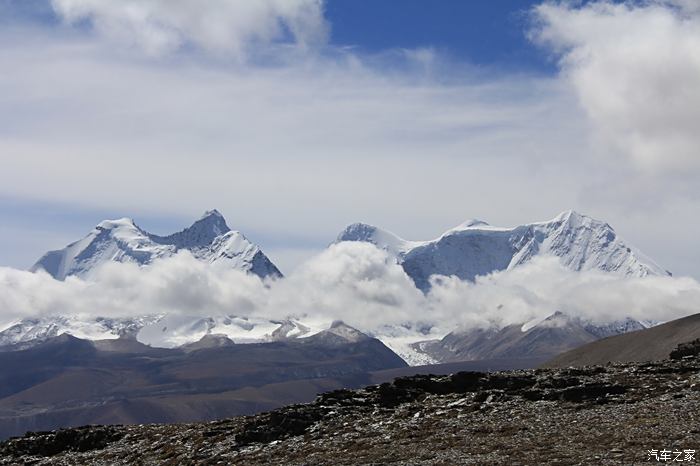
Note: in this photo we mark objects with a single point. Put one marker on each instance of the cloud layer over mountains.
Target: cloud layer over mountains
(355, 282)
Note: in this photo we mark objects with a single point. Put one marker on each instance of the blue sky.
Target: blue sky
(412, 115)
(485, 33)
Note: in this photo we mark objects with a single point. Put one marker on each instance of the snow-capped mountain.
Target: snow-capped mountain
(31, 331)
(417, 346)
(476, 248)
(209, 239)
(162, 331)
(175, 330)
(467, 251)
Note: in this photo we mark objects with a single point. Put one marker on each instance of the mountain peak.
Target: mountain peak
(358, 232)
(383, 239)
(200, 234)
(574, 219)
(116, 223)
(569, 213)
(476, 249)
(471, 223)
(209, 239)
(339, 333)
(211, 213)
(215, 220)
(572, 216)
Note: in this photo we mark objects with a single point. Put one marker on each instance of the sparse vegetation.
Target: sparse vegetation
(604, 415)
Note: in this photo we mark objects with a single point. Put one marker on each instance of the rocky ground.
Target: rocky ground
(593, 415)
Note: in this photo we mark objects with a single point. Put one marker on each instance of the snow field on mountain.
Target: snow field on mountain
(209, 239)
(475, 248)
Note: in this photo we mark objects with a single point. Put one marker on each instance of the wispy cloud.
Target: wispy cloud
(229, 27)
(123, 134)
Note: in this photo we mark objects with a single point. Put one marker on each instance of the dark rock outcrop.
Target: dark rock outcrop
(81, 439)
(691, 348)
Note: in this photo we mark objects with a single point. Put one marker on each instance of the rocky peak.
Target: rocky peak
(200, 234)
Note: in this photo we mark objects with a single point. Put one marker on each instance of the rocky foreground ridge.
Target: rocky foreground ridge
(592, 415)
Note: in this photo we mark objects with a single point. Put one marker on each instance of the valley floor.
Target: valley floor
(618, 414)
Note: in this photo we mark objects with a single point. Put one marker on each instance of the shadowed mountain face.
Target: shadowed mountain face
(652, 344)
(544, 340)
(67, 381)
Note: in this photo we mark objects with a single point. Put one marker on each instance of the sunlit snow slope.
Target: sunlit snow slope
(476, 248)
(209, 239)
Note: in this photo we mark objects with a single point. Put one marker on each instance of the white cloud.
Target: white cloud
(355, 282)
(636, 69)
(220, 26)
(178, 285)
(543, 287)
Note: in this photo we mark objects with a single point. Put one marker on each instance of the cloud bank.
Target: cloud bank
(635, 67)
(228, 27)
(354, 282)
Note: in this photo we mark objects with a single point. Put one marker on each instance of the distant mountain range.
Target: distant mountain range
(63, 370)
(544, 339)
(209, 239)
(476, 248)
(471, 249)
(467, 251)
(66, 381)
(650, 344)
